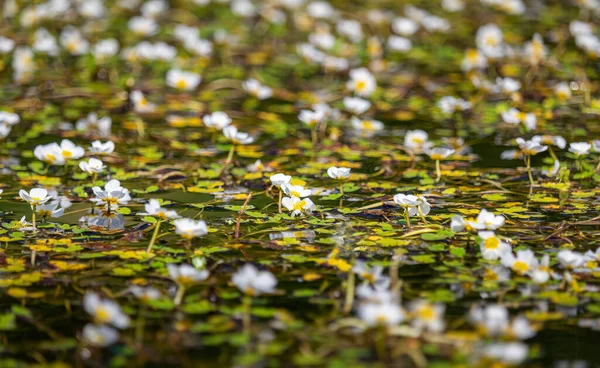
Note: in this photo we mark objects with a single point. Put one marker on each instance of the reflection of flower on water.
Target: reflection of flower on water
(108, 220)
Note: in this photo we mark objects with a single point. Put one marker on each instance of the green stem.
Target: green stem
(349, 302)
(179, 296)
(407, 217)
(342, 194)
(438, 171)
(246, 317)
(380, 335)
(552, 154)
(280, 198)
(140, 325)
(154, 235)
(33, 215)
(580, 159)
(528, 163)
(230, 155)
(421, 214)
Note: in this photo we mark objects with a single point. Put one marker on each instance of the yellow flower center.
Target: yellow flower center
(360, 85)
(491, 243)
(520, 267)
(426, 312)
(181, 84)
(299, 206)
(102, 315)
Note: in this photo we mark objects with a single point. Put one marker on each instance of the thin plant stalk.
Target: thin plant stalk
(528, 164)
(438, 171)
(280, 199)
(179, 296)
(349, 302)
(341, 194)
(246, 317)
(154, 235)
(407, 217)
(33, 208)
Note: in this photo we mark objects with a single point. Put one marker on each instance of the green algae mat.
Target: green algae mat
(290, 183)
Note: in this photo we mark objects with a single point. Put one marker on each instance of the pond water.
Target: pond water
(141, 225)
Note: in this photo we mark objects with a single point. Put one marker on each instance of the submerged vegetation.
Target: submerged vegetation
(284, 183)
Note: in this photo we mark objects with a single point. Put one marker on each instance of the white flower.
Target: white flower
(361, 82)
(523, 263)
(320, 9)
(488, 221)
(570, 259)
(105, 311)
(143, 26)
(356, 105)
(250, 281)
(530, 147)
(70, 151)
(92, 166)
(140, 102)
(352, 29)
(415, 204)
(453, 5)
(562, 91)
(376, 314)
(105, 49)
(489, 40)
(102, 149)
(92, 9)
(508, 85)
(50, 154)
(371, 275)
(154, 8)
(555, 140)
(153, 208)
(44, 42)
(405, 26)
(217, 120)
(298, 206)
(416, 140)
(231, 132)
(9, 118)
(580, 148)
(183, 80)
(492, 319)
(189, 228)
(427, 316)
(145, 293)
(6, 45)
(541, 273)
(101, 336)
(514, 116)
(280, 179)
(474, 59)
(450, 104)
(535, 50)
(186, 275)
(36, 196)
(295, 190)
(439, 153)
(513, 353)
(256, 89)
(339, 173)
(112, 195)
(92, 123)
(366, 127)
(72, 40)
(311, 118)
(399, 44)
(491, 247)
(50, 210)
(596, 145)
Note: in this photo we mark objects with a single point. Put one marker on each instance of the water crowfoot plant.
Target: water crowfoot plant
(35, 197)
(158, 215)
(185, 276)
(252, 283)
